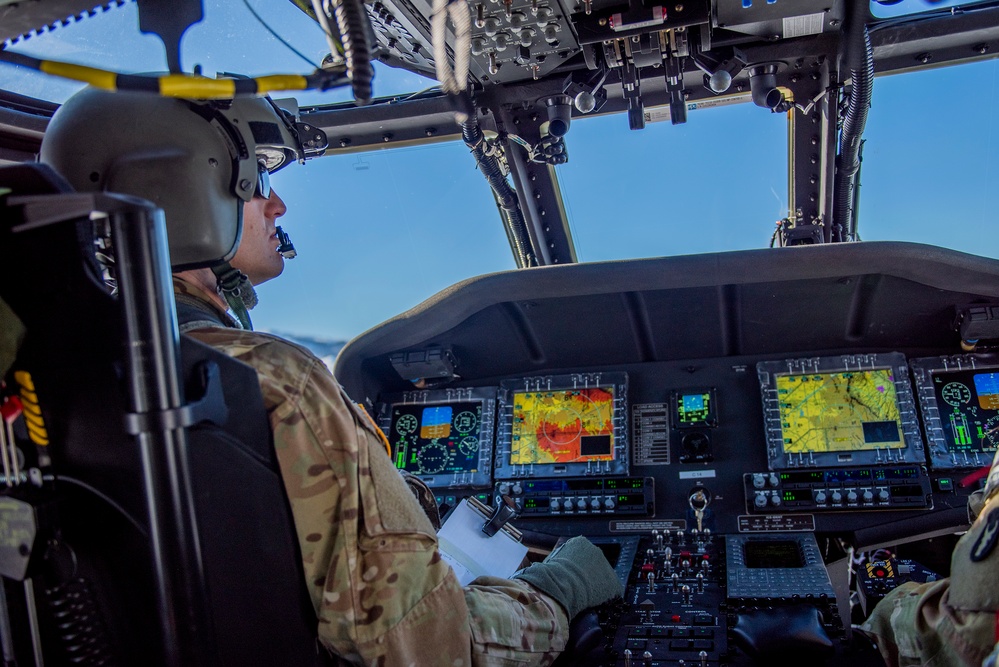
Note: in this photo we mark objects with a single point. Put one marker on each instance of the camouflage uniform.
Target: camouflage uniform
(382, 594)
(952, 621)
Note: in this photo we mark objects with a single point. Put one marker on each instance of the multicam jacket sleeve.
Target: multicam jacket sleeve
(953, 621)
(382, 594)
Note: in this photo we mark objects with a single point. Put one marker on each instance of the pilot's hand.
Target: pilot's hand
(576, 575)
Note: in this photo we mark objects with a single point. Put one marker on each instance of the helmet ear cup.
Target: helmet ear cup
(192, 244)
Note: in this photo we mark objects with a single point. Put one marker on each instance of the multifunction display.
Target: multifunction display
(563, 425)
(843, 411)
(833, 411)
(693, 408)
(772, 554)
(959, 398)
(445, 437)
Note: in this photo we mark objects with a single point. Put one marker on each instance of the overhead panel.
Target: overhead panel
(779, 19)
(511, 40)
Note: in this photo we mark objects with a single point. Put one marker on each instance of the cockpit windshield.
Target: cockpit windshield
(713, 284)
(409, 221)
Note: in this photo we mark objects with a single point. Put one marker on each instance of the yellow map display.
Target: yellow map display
(839, 412)
(563, 426)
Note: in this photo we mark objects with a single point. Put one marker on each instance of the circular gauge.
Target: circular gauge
(468, 445)
(991, 439)
(955, 393)
(465, 422)
(406, 424)
(433, 458)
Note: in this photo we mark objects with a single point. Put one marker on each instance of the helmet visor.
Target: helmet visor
(263, 181)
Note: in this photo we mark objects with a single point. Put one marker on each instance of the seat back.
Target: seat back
(93, 570)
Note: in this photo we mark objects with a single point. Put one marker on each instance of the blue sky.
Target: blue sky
(379, 232)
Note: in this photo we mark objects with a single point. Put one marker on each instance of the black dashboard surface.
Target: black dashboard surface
(701, 322)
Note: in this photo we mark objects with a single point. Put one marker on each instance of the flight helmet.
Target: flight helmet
(197, 160)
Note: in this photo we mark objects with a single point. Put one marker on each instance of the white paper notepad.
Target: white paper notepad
(470, 553)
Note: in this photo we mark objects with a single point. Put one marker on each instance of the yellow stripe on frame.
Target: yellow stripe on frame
(91, 75)
(278, 82)
(199, 88)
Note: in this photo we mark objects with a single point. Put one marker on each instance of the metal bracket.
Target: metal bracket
(210, 407)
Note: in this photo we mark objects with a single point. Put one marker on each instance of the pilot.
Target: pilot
(381, 592)
(954, 621)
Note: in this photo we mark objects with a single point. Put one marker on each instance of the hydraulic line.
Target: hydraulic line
(861, 61)
(505, 195)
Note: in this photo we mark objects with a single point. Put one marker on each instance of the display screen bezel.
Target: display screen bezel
(484, 397)
(617, 464)
(942, 452)
(911, 449)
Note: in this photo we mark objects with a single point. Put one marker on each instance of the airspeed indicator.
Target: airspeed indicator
(468, 445)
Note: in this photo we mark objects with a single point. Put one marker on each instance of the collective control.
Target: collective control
(900, 487)
(574, 497)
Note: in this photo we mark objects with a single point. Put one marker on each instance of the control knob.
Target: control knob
(517, 489)
(868, 496)
(837, 497)
(595, 504)
(759, 481)
(761, 500)
(774, 480)
(581, 503)
(851, 496)
(883, 495)
(820, 497)
(554, 504)
(775, 500)
(567, 505)
(492, 26)
(504, 488)
(610, 504)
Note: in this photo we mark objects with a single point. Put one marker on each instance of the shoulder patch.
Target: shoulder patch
(986, 541)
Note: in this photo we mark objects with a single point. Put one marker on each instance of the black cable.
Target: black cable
(278, 37)
(79, 626)
(352, 21)
(471, 134)
(851, 232)
(100, 494)
(860, 59)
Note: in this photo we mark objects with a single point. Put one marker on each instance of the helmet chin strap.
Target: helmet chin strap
(238, 292)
